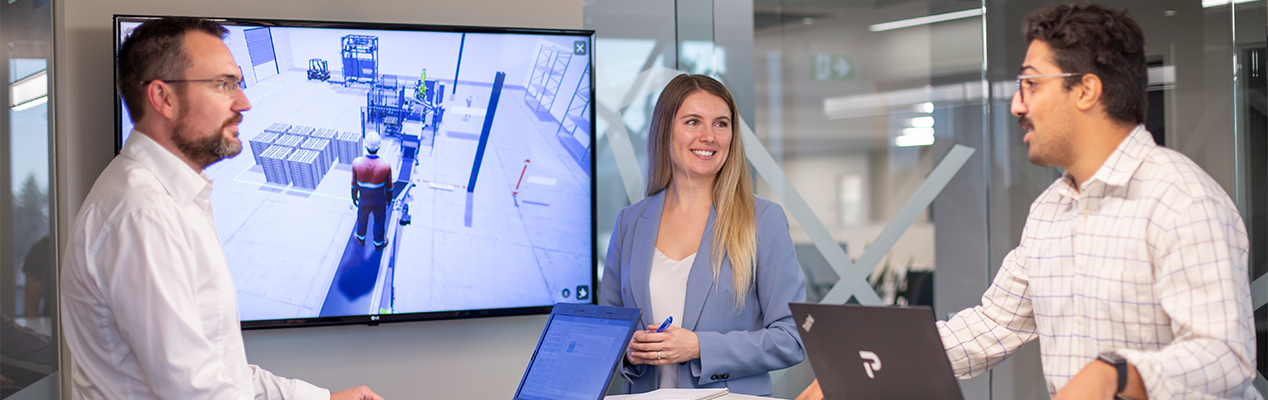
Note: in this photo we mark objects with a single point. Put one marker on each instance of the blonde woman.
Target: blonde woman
(706, 251)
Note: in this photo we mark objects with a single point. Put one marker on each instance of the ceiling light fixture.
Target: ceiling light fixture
(1217, 3)
(28, 90)
(907, 23)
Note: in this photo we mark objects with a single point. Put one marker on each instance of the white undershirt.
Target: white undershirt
(668, 288)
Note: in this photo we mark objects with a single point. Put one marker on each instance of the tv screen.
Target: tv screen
(488, 208)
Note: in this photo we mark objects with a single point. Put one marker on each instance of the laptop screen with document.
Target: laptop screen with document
(578, 352)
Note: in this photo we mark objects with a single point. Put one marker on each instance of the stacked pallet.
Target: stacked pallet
(348, 146)
(300, 130)
(302, 167)
(278, 127)
(328, 134)
(301, 155)
(292, 141)
(321, 146)
(261, 143)
(274, 162)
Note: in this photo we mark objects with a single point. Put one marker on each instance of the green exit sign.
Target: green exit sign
(832, 67)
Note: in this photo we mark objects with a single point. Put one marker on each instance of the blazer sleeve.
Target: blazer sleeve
(776, 344)
(611, 285)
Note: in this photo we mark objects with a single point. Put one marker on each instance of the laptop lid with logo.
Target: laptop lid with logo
(864, 352)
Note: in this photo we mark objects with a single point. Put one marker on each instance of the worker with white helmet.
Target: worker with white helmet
(371, 190)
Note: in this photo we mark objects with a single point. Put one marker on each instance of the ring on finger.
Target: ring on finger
(657, 354)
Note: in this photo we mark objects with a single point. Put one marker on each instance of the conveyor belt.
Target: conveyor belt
(354, 280)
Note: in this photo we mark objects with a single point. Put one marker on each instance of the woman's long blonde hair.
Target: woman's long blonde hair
(735, 229)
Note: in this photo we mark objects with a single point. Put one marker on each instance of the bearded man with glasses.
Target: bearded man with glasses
(1132, 267)
(149, 309)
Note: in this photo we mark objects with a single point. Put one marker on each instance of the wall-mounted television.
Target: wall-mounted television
(488, 132)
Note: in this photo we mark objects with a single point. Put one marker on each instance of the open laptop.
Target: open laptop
(578, 352)
(863, 352)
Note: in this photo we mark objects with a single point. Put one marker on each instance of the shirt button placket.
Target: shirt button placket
(1080, 229)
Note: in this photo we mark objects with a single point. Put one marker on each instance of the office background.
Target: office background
(881, 126)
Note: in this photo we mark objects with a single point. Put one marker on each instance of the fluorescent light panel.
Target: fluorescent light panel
(918, 132)
(30, 88)
(1217, 3)
(920, 122)
(916, 136)
(910, 141)
(907, 23)
(32, 103)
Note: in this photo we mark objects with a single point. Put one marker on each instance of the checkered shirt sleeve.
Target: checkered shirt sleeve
(1148, 259)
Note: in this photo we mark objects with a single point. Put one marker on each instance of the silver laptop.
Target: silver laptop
(864, 352)
(578, 352)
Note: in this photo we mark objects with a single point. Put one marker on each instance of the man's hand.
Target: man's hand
(357, 393)
(812, 392)
(1098, 380)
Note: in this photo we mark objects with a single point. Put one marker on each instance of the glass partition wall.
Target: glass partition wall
(28, 266)
(883, 129)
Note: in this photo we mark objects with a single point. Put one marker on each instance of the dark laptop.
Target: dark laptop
(578, 352)
(863, 352)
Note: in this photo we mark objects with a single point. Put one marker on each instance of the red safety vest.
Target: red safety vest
(372, 176)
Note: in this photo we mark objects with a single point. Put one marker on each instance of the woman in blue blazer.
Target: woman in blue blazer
(705, 250)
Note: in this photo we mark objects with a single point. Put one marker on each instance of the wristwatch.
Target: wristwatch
(1120, 364)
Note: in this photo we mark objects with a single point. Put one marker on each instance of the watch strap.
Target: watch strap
(1120, 365)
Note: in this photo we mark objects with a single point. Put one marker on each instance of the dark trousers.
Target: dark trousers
(373, 202)
(380, 223)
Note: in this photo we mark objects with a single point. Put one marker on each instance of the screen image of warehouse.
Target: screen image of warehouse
(488, 138)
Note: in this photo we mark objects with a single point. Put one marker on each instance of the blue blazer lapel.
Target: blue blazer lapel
(700, 279)
(645, 231)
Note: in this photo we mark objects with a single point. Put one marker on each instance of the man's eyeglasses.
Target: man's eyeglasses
(1025, 84)
(227, 85)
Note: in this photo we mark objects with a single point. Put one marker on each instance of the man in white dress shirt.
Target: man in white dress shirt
(1132, 267)
(148, 306)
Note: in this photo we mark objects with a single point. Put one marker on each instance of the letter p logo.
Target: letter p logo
(871, 363)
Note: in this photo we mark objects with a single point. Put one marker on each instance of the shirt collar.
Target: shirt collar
(181, 182)
(1121, 164)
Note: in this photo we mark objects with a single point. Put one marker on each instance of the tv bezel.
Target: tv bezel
(375, 319)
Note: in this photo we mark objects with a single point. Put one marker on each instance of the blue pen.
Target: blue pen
(665, 325)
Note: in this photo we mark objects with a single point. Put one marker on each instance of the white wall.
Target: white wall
(484, 55)
(479, 358)
(400, 53)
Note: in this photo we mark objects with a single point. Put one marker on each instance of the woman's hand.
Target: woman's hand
(674, 345)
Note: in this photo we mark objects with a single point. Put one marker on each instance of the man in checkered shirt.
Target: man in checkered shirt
(1135, 261)
(1132, 268)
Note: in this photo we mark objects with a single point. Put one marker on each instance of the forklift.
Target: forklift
(318, 70)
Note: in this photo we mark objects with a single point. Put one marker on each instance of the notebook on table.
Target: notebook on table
(681, 394)
(578, 352)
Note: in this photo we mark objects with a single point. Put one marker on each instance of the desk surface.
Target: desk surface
(732, 396)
